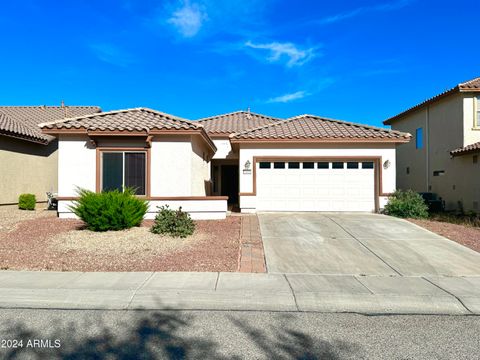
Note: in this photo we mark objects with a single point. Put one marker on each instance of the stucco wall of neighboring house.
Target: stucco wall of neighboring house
(200, 181)
(76, 165)
(448, 124)
(408, 157)
(26, 167)
(249, 151)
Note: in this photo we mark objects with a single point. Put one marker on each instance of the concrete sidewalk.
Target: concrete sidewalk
(241, 291)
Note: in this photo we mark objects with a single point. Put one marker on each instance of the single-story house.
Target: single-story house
(259, 163)
(28, 158)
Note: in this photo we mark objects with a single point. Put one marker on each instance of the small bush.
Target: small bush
(407, 204)
(27, 202)
(173, 222)
(110, 210)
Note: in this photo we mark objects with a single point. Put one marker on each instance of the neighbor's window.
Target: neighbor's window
(124, 169)
(419, 138)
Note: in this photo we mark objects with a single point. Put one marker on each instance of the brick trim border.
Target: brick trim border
(251, 257)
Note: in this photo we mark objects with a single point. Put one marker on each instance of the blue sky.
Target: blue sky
(354, 60)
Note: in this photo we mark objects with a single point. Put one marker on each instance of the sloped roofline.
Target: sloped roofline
(460, 88)
(238, 112)
(234, 136)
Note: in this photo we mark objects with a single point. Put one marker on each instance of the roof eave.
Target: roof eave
(456, 90)
(319, 141)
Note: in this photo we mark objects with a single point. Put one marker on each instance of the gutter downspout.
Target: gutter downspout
(427, 147)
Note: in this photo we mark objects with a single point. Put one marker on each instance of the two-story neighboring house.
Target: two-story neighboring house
(443, 156)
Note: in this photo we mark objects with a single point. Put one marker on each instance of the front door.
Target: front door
(229, 183)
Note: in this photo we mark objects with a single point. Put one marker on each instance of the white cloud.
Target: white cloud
(188, 19)
(279, 51)
(288, 97)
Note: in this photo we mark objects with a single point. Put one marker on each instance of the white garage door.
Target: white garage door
(315, 186)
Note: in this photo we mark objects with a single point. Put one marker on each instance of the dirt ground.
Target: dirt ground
(38, 240)
(466, 235)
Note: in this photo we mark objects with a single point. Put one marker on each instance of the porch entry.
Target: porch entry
(229, 183)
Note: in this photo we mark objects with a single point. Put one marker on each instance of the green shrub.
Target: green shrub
(27, 202)
(173, 222)
(110, 210)
(407, 204)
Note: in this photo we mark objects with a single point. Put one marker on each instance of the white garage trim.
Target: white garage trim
(377, 160)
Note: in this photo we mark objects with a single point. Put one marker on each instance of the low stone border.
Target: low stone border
(251, 257)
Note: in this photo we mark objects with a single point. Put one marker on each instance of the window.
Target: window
(265, 165)
(322, 165)
(367, 165)
(308, 165)
(294, 165)
(352, 165)
(337, 165)
(439, 173)
(124, 169)
(279, 165)
(475, 159)
(408, 170)
(419, 138)
(477, 111)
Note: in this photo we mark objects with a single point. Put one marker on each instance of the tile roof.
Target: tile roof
(467, 86)
(466, 150)
(22, 121)
(137, 119)
(235, 122)
(310, 127)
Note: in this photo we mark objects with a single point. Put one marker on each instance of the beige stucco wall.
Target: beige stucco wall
(26, 167)
(448, 124)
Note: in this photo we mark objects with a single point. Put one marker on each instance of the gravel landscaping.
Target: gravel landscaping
(468, 236)
(38, 240)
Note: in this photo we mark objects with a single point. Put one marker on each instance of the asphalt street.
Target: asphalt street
(89, 334)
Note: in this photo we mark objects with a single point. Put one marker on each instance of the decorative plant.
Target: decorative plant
(407, 204)
(173, 222)
(109, 210)
(27, 201)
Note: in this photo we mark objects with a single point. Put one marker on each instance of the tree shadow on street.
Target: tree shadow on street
(161, 335)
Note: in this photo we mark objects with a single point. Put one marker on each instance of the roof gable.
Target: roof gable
(22, 121)
(315, 128)
(468, 86)
(235, 122)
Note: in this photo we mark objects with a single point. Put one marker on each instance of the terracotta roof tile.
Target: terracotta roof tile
(138, 119)
(22, 121)
(471, 85)
(235, 122)
(466, 149)
(309, 127)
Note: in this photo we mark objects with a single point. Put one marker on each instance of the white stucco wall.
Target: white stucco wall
(471, 129)
(171, 166)
(247, 152)
(76, 165)
(200, 168)
(224, 149)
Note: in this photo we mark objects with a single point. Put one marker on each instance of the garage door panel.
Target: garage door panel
(317, 189)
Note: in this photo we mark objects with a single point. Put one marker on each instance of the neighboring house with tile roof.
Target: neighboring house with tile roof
(28, 158)
(249, 161)
(443, 158)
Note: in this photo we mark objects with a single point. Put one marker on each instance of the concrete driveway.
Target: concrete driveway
(359, 244)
